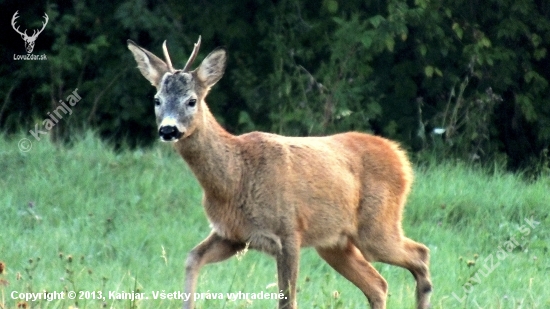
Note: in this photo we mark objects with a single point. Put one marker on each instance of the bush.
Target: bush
(391, 67)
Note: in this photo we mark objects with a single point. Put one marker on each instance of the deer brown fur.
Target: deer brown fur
(342, 194)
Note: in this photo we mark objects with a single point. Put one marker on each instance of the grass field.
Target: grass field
(85, 218)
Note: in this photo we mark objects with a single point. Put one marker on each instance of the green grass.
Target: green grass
(86, 218)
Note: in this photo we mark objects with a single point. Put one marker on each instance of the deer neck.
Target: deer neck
(213, 156)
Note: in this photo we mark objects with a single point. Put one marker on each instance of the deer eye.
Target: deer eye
(192, 102)
(157, 101)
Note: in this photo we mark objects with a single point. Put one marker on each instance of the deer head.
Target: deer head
(29, 40)
(179, 101)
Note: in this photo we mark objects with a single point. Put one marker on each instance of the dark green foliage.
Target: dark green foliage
(478, 70)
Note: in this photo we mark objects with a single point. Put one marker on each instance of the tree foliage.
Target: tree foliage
(467, 79)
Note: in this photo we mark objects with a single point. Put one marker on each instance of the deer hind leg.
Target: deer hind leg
(401, 251)
(416, 258)
(351, 264)
(211, 250)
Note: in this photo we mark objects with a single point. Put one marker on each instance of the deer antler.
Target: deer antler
(15, 16)
(193, 55)
(167, 57)
(43, 26)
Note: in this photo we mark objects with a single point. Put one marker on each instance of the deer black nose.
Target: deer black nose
(169, 133)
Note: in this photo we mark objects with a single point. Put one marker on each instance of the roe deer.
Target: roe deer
(342, 194)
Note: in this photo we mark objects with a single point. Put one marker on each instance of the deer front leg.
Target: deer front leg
(211, 250)
(287, 270)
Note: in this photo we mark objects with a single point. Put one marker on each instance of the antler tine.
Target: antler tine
(35, 32)
(44, 23)
(167, 57)
(193, 55)
(15, 16)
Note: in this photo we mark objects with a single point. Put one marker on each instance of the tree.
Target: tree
(477, 71)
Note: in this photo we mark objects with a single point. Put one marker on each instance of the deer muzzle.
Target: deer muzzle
(169, 133)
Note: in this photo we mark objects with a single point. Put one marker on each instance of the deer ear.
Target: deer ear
(212, 67)
(151, 67)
